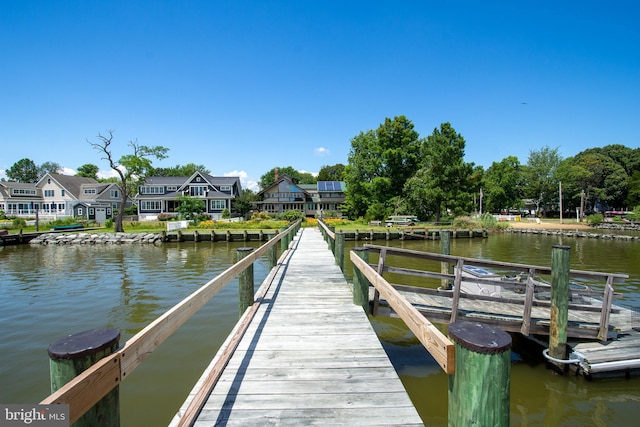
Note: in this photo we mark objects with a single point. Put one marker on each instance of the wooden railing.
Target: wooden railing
(528, 287)
(88, 388)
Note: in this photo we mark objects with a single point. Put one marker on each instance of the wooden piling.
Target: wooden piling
(246, 289)
(479, 389)
(445, 249)
(272, 255)
(284, 245)
(196, 236)
(360, 282)
(339, 253)
(72, 355)
(560, 265)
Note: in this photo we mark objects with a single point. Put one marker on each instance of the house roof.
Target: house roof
(5, 187)
(72, 184)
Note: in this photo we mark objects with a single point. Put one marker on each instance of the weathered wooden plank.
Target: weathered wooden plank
(302, 366)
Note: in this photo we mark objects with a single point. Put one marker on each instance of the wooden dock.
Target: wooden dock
(308, 357)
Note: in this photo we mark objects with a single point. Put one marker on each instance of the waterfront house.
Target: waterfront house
(57, 196)
(78, 197)
(313, 200)
(161, 194)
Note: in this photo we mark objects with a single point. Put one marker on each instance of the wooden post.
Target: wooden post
(196, 236)
(272, 254)
(445, 249)
(229, 238)
(283, 241)
(479, 389)
(72, 355)
(361, 283)
(245, 282)
(339, 255)
(560, 264)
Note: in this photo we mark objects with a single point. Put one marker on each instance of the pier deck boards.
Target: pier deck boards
(309, 357)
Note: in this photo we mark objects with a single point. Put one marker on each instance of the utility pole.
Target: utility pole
(560, 191)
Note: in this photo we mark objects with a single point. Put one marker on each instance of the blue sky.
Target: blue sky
(243, 86)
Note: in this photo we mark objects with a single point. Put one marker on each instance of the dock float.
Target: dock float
(309, 356)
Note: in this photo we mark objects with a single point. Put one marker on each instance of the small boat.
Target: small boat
(474, 281)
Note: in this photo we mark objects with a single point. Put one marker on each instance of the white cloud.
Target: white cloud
(3, 174)
(321, 151)
(108, 174)
(68, 171)
(244, 180)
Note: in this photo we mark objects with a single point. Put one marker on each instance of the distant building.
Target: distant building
(161, 194)
(313, 200)
(57, 196)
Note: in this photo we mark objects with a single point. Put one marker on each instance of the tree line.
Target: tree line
(392, 170)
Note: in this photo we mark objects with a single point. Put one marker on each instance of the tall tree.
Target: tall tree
(48, 167)
(502, 185)
(88, 170)
(242, 204)
(331, 173)
(541, 181)
(296, 176)
(24, 170)
(186, 170)
(445, 180)
(380, 163)
(129, 167)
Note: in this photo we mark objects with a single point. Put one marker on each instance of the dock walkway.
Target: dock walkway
(309, 357)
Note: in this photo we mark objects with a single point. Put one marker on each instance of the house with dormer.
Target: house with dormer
(313, 200)
(57, 196)
(78, 197)
(162, 194)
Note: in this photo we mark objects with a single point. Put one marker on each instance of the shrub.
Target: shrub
(19, 222)
(292, 215)
(108, 223)
(595, 219)
(165, 217)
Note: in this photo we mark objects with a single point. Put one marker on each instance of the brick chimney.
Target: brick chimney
(276, 173)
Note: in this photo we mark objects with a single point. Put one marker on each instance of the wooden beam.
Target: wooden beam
(440, 347)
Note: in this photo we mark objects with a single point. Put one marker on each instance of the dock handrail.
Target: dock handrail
(89, 387)
(440, 347)
(607, 295)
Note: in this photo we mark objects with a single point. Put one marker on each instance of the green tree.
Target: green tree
(296, 176)
(243, 204)
(541, 181)
(445, 181)
(502, 185)
(88, 170)
(48, 167)
(331, 173)
(131, 168)
(380, 163)
(24, 170)
(190, 208)
(186, 170)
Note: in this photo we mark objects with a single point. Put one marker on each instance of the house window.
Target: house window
(114, 194)
(108, 211)
(79, 211)
(91, 211)
(62, 192)
(152, 189)
(89, 191)
(226, 188)
(172, 188)
(150, 205)
(197, 190)
(60, 206)
(49, 193)
(24, 191)
(218, 205)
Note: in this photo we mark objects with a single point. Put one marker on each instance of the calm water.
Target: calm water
(48, 292)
